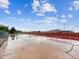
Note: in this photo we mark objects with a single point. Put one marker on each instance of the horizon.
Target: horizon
(40, 15)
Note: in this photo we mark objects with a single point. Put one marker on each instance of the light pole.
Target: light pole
(64, 23)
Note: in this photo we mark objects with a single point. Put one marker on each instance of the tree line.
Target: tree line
(6, 29)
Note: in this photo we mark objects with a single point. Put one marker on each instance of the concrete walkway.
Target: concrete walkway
(37, 47)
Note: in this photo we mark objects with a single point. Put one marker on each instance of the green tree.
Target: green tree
(4, 28)
(13, 30)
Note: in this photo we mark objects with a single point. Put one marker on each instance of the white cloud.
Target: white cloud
(35, 5)
(22, 19)
(47, 7)
(63, 20)
(51, 20)
(43, 1)
(69, 15)
(41, 7)
(7, 12)
(47, 21)
(62, 16)
(70, 8)
(12, 17)
(19, 12)
(66, 16)
(40, 14)
(76, 4)
(25, 5)
(28, 20)
(4, 4)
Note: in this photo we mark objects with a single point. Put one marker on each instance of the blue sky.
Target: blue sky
(32, 15)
